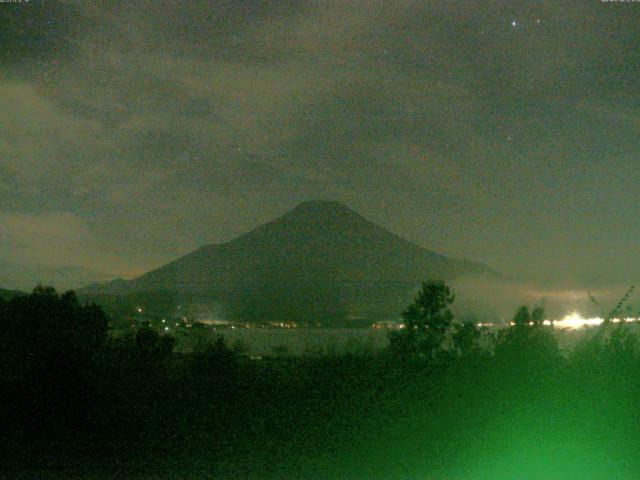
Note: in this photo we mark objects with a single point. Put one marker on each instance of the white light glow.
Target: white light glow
(571, 321)
(574, 320)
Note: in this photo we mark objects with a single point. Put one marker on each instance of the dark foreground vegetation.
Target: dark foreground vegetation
(444, 402)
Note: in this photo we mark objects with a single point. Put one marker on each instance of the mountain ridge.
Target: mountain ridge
(320, 259)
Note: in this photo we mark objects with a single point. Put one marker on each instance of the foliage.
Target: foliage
(122, 401)
(466, 338)
(426, 322)
(151, 344)
(613, 345)
(44, 329)
(528, 341)
(49, 348)
(619, 310)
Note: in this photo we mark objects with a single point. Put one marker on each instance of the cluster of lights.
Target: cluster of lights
(575, 320)
(572, 321)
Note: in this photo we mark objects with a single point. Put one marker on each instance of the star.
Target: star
(514, 24)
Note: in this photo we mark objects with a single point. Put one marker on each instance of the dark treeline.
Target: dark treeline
(445, 401)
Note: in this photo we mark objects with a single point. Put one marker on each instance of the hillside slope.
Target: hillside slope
(321, 260)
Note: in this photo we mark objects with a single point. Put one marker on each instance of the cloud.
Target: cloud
(57, 240)
(161, 125)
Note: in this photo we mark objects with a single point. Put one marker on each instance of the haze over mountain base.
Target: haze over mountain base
(320, 263)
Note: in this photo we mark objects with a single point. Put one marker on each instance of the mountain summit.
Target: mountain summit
(320, 261)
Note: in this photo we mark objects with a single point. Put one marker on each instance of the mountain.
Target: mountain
(320, 262)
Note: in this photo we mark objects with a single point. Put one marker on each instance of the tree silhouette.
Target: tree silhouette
(465, 338)
(49, 349)
(522, 317)
(426, 321)
(43, 326)
(528, 341)
(537, 316)
(153, 345)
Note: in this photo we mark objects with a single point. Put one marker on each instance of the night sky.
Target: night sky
(132, 132)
